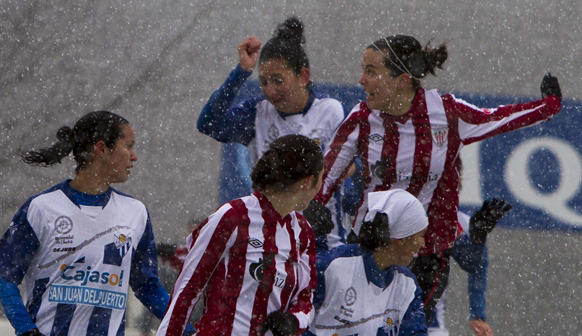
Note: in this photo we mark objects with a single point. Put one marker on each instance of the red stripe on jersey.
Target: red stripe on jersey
(233, 279)
(389, 152)
(204, 270)
(442, 209)
(340, 138)
(290, 287)
(265, 286)
(422, 147)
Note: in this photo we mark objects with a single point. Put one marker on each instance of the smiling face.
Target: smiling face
(382, 89)
(284, 88)
(119, 160)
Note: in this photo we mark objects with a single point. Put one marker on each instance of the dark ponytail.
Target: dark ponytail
(288, 159)
(90, 129)
(404, 54)
(287, 44)
(375, 233)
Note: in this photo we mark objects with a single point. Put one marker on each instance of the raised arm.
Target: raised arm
(475, 124)
(218, 118)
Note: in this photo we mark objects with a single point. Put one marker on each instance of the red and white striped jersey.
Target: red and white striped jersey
(417, 152)
(249, 262)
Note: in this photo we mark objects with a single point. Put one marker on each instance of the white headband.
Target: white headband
(406, 216)
(404, 68)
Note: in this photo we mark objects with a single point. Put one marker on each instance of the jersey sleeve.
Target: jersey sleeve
(301, 305)
(341, 154)
(208, 245)
(20, 237)
(473, 259)
(414, 320)
(476, 124)
(144, 278)
(223, 122)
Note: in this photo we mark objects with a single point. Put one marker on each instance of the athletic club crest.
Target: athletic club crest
(122, 243)
(439, 135)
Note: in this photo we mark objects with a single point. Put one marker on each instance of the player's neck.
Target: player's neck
(386, 257)
(283, 202)
(89, 182)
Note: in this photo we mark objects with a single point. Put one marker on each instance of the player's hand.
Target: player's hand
(319, 217)
(480, 328)
(485, 219)
(248, 53)
(33, 332)
(550, 86)
(280, 323)
(166, 250)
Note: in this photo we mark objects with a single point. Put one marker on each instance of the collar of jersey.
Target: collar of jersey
(310, 101)
(414, 109)
(375, 275)
(269, 212)
(80, 198)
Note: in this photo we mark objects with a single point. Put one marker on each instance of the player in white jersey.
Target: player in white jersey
(288, 104)
(367, 289)
(409, 138)
(254, 258)
(81, 244)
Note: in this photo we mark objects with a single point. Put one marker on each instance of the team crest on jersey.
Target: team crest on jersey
(391, 322)
(439, 135)
(351, 296)
(318, 135)
(375, 137)
(63, 225)
(122, 243)
(273, 132)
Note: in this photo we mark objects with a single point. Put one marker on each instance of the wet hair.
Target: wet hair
(287, 44)
(376, 233)
(288, 159)
(404, 54)
(90, 129)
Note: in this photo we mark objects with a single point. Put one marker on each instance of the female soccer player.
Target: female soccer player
(288, 104)
(81, 243)
(254, 258)
(409, 138)
(367, 289)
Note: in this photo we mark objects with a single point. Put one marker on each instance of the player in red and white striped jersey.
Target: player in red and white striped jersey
(254, 258)
(409, 138)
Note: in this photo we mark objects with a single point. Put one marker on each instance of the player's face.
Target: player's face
(380, 87)
(121, 158)
(282, 86)
(411, 246)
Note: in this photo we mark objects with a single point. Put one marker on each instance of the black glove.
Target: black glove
(319, 217)
(33, 332)
(166, 250)
(485, 219)
(280, 324)
(550, 86)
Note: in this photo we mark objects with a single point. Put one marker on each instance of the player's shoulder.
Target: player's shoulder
(337, 255)
(127, 199)
(46, 196)
(359, 111)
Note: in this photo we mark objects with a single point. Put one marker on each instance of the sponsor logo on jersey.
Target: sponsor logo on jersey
(349, 312)
(254, 242)
(63, 225)
(64, 249)
(88, 275)
(351, 296)
(439, 135)
(375, 137)
(64, 240)
(273, 132)
(382, 167)
(86, 295)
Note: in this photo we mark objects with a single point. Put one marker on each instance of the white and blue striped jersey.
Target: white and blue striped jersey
(77, 254)
(355, 297)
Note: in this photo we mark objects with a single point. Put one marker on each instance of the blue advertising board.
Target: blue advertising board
(538, 169)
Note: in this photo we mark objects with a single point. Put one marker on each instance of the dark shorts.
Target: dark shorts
(432, 274)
